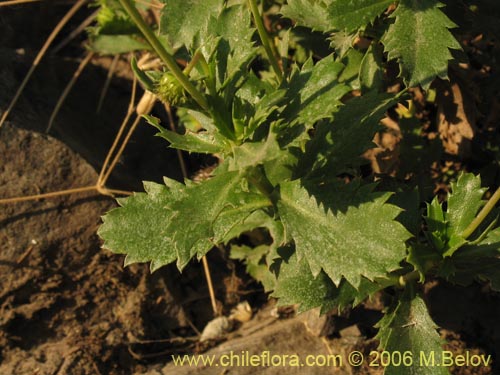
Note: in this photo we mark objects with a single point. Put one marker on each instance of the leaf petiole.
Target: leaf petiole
(257, 178)
(488, 207)
(189, 67)
(265, 39)
(163, 54)
(210, 78)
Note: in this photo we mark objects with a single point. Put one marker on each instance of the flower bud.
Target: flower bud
(168, 89)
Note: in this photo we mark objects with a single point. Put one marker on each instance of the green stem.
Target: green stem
(257, 178)
(409, 277)
(415, 275)
(163, 54)
(485, 211)
(189, 67)
(482, 214)
(265, 38)
(210, 79)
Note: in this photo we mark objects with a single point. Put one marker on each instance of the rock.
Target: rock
(216, 328)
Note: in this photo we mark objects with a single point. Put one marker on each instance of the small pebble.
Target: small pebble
(216, 328)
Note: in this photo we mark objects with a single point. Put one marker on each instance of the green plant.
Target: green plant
(289, 125)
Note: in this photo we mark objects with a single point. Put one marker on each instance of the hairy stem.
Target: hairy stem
(482, 214)
(409, 277)
(210, 82)
(189, 67)
(257, 178)
(163, 54)
(265, 38)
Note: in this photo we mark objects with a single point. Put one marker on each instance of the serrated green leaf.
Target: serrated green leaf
(454, 243)
(115, 32)
(253, 90)
(364, 241)
(201, 142)
(350, 15)
(338, 196)
(117, 44)
(139, 227)
(113, 20)
(248, 253)
(342, 42)
(435, 217)
(337, 147)
(476, 262)
(254, 259)
(283, 46)
(264, 108)
(250, 113)
(436, 224)
(411, 217)
(226, 43)
(420, 40)
(409, 328)
(445, 228)
(186, 219)
(309, 13)
(464, 202)
(466, 271)
(350, 75)
(258, 219)
(255, 153)
(422, 257)
(232, 217)
(490, 244)
(338, 15)
(261, 219)
(296, 284)
(196, 120)
(235, 48)
(182, 20)
(262, 274)
(209, 210)
(371, 75)
(314, 93)
(347, 295)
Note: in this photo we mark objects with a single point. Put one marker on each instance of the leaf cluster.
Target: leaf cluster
(290, 149)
